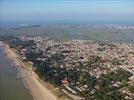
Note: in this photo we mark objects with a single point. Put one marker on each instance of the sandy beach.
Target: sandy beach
(29, 78)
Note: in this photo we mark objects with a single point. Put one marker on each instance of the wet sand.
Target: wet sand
(29, 78)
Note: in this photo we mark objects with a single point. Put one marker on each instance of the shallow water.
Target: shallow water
(10, 87)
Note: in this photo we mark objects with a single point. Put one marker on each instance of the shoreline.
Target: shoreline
(29, 77)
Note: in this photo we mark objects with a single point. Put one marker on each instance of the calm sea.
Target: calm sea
(10, 87)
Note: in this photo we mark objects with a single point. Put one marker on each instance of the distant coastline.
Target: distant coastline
(45, 23)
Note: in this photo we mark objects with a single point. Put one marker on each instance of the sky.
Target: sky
(41, 11)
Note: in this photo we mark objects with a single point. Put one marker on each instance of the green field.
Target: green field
(67, 32)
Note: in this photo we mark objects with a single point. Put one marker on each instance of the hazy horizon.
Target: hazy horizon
(67, 11)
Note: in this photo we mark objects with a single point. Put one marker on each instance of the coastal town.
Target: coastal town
(81, 67)
(67, 50)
